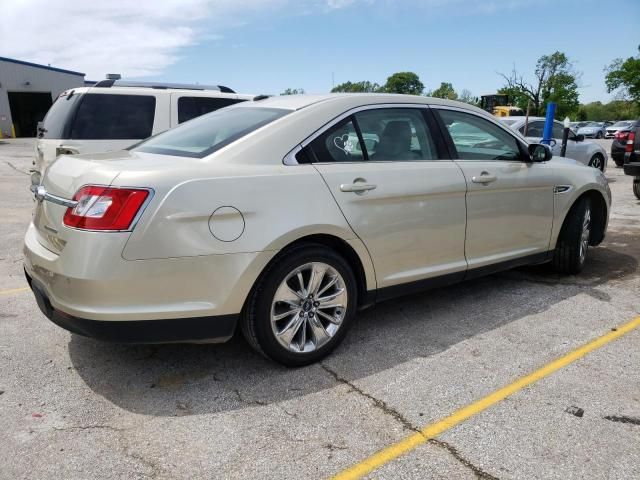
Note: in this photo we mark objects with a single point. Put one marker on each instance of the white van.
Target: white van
(115, 114)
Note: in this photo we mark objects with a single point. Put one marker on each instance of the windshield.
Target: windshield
(621, 124)
(592, 124)
(208, 133)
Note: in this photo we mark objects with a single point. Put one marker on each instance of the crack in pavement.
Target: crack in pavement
(16, 168)
(406, 424)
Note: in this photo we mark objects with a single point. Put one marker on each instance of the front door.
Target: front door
(509, 199)
(403, 199)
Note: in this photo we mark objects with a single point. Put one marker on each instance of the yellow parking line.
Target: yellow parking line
(431, 431)
(15, 290)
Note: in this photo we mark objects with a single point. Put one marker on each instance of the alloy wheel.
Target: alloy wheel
(586, 233)
(308, 307)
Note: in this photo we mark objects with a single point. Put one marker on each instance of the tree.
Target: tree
(467, 97)
(625, 75)
(445, 90)
(404, 82)
(357, 87)
(293, 91)
(555, 80)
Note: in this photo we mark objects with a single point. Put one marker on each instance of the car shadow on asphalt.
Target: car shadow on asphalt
(176, 380)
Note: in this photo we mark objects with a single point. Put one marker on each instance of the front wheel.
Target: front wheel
(636, 187)
(599, 135)
(571, 250)
(597, 161)
(302, 307)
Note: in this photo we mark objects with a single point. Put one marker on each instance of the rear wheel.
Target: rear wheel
(619, 161)
(636, 187)
(597, 161)
(571, 250)
(302, 307)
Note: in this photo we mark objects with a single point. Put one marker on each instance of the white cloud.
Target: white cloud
(143, 37)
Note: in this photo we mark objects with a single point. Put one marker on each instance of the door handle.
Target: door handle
(484, 178)
(357, 187)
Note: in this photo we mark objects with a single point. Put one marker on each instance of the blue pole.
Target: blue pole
(548, 123)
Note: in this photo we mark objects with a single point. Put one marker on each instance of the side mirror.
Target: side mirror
(579, 138)
(539, 152)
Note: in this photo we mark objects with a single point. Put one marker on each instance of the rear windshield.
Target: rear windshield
(208, 133)
(114, 117)
(56, 120)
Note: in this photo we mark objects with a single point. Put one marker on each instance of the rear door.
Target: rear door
(509, 199)
(399, 192)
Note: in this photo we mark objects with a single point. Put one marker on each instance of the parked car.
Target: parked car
(613, 129)
(275, 216)
(588, 153)
(116, 114)
(620, 144)
(593, 130)
(631, 162)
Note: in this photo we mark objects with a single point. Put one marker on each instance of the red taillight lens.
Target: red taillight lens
(105, 208)
(621, 136)
(630, 139)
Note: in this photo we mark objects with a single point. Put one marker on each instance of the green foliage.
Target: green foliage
(293, 91)
(615, 110)
(625, 75)
(404, 82)
(445, 90)
(357, 87)
(556, 80)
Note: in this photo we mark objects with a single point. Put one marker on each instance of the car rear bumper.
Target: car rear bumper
(196, 329)
(93, 291)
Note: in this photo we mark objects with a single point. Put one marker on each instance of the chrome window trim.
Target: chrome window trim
(290, 158)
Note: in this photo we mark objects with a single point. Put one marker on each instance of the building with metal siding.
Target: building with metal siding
(27, 90)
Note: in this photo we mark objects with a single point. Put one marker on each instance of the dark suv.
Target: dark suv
(631, 154)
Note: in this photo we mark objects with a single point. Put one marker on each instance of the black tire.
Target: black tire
(636, 187)
(597, 161)
(566, 257)
(256, 320)
(599, 135)
(619, 161)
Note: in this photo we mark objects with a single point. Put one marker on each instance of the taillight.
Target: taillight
(630, 139)
(621, 136)
(105, 208)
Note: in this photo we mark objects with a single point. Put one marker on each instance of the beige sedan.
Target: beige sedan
(284, 216)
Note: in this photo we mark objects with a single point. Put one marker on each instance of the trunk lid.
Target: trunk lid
(62, 179)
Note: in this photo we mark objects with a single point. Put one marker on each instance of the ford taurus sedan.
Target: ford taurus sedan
(285, 216)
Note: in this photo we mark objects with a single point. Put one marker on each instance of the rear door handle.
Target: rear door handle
(357, 187)
(484, 178)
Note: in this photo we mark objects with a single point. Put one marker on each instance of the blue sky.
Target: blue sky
(440, 43)
(265, 46)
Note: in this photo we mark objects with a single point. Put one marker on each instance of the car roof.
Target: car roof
(146, 90)
(297, 102)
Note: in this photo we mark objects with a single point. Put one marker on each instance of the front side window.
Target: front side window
(208, 133)
(396, 134)
(476, 138)
(114, 117)
(192, 107)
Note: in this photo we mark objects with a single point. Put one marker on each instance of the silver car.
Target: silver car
(616, 127)
(588, 153)
(593, 130)
(284, 216)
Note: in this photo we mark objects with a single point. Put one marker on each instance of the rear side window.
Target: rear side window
(192, 107)
(57, 119)
(534, 129)
(204, 135)
(114, 117)
(338, 144)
